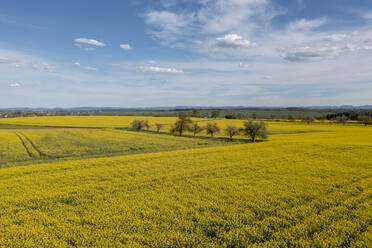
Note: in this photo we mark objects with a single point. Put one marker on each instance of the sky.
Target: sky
(143, 53)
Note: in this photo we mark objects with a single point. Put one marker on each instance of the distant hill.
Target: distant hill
(341, 107)
(348, 107)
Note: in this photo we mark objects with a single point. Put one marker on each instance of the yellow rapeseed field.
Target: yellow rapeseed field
(306, 186)
(85, 121)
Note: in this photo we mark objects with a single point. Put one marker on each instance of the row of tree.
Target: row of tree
(184, 123)
(363, 116)
(353, 115)
(366, 119)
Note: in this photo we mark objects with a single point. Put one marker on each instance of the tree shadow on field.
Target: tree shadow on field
(221, 139)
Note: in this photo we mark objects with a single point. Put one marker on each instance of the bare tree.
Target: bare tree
(254, 130)
(212, 128)
(146, 125)
(308, 119)
(215, 113)
(182, 124)
(195, 113)
(231, 131)
(342, 119)
(233, 116)
(365, 119)
(195, 128)
(159, 126)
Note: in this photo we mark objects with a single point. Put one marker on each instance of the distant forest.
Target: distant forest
(354, 115)
(244, 113)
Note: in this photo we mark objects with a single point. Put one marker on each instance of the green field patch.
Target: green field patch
(46, 145)
(275, 132)
(5, 126)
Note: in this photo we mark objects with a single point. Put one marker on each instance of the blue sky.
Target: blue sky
(138, 53)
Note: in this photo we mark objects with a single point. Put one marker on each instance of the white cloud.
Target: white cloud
(168, 26)
(90, 42)
(294, 84)
(244, 65)
(340, 65)
(43, 66)
(220, 16)
(152, 62)
(168, 21)
(209, 17)
(306, 25)
(352, 47)
(85, 48)
(126, 47)
(89, 68)
(24, 61)
(168, 3)
(367, 45)
(336, 37)
(7, 61)
(308, 53)
(234, 41)
(359, 46)
(14, 85)
(316, 46)
(367, 15)
(160, 69)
